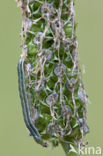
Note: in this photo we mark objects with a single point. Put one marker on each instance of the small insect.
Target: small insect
(25, 104)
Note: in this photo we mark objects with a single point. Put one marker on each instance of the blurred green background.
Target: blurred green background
(14, 139)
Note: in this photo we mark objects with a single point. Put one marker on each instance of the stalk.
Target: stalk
(55, 93)
(65, 148)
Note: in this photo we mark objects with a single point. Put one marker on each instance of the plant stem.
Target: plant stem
(64, 146)
(66, 149)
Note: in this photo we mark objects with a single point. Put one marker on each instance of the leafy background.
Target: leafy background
(14, 139)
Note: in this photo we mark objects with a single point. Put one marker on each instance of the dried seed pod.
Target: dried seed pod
(66, 43)
(48, 54)
(82, 95)
(51, 129)
(39, 85)
(80, 122)
(37, 37)
(59, 70)
(67, 40)
(29, 23)
(83, 125)
(66, 110)
(52, 99)
(85, 129)
(70, 84)
(47, 10)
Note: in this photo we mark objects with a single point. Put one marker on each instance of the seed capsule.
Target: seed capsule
(29, 23)
(47, 10)
(82, 95)
(51, 129)
(48, 54)
(66, 43)
(59, 70)
(37, 38)
(80, 122)
(70, 83)
(86, 129)
(39, 86)
(52, 98)
(66, 110)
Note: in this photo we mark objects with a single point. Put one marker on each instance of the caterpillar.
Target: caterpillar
(25, 103)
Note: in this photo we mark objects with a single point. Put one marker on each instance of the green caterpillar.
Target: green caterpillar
(25, 104)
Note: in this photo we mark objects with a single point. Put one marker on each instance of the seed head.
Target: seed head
(51, 128)
(52, 99)
(66, 110)
(59, 70)
(40, 85)
(48, 54)
(70, 83)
